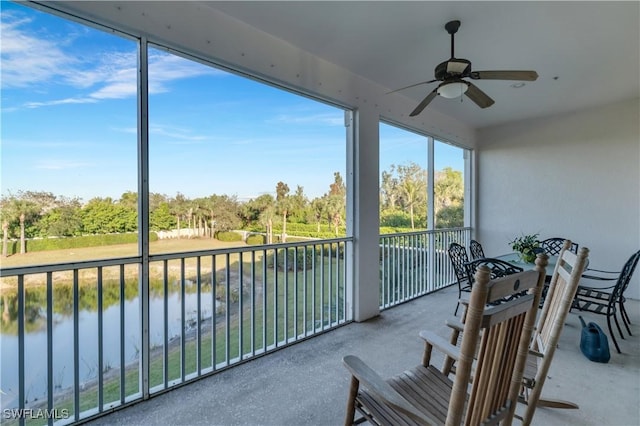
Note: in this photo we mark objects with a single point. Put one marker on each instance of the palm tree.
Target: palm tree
(318, 208)
(177, 208)
(412, 190)
(266, 218)
(284, 204)
(336, 202)
(5, 237)
(389, 189)
(413, 187)
(23, 243)
(22, 209)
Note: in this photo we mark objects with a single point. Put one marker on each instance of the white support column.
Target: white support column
(366, 165)
(470, 179)
(143, 210)
(431, 184)
(431, 211)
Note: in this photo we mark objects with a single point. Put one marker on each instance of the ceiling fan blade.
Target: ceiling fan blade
(504, 75)
(424, 103)
(413, 85)
(478, 96)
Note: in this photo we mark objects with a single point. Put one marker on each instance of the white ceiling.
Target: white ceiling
(586, 53)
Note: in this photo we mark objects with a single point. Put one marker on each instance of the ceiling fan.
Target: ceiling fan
(452, 72)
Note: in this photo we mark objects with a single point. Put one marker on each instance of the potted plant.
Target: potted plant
(527, 246)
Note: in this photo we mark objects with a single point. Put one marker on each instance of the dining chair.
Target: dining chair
(607, 300)
(499, 268)
(458, 256)
(484, 390)
(553, 246)
(476, 250)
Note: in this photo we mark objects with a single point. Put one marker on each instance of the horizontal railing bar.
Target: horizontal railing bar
(232, 250)
(58, 267)
(424, 232)
(68, 266)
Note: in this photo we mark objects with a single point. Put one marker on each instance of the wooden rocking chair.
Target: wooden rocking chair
(557, 304)
(498, 334)
(549, 325)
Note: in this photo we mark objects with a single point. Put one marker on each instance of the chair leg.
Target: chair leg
(615, 318)
(455, 313)
(447, 366)
(624, 310)
(625, 317)
(611, 334)
(625, 314)
(351, 404)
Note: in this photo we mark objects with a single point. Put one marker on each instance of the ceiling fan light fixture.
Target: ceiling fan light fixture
(453, 89)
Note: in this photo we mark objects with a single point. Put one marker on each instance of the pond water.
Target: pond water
(63, 356)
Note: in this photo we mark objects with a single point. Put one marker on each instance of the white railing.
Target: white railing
(73, 334)
(416, 263)
(81, 339)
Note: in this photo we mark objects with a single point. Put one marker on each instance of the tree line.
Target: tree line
(403, 204)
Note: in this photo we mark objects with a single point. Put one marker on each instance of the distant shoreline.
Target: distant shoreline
(102, 253)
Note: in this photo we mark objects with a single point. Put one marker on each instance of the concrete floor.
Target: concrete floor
(307, 383)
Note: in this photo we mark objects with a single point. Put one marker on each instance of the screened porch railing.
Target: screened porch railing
(416, 263)
(74, 344)
(72, 334)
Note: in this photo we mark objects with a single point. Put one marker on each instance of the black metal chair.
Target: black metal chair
(476, 250)
(499, 268)
(607, 300)
(553, 246)
(458, 256)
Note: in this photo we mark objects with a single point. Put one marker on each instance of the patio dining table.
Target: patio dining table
(515, 259)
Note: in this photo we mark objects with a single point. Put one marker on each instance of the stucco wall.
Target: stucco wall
(575, 176)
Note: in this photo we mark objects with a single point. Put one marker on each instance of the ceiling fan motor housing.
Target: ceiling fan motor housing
(453, 68)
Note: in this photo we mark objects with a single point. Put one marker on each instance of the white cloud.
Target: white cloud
(33, 58)
(26, 59)
(59, 102)
(116, 90)
(177, 134)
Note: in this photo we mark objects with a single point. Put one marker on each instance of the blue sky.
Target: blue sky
(69, 121)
